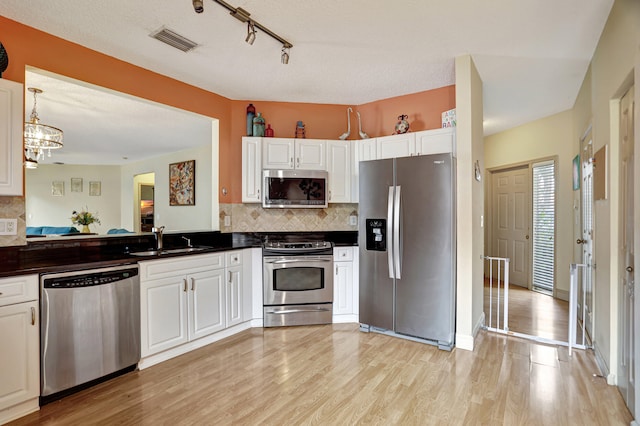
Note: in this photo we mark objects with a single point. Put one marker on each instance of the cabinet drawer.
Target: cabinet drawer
(342, 254)
(234, 258)
(181, 265)
(19, 289)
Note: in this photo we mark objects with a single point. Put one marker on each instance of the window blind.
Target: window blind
(544, 216)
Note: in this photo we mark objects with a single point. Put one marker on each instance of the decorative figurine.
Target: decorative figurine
(363, 135)
(4, 59)
(258, 125)
(402, 126)
(251, 113)
(346, 134)
(268, 132)
(300, 132)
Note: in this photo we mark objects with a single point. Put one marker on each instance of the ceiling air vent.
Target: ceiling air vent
(174, 39)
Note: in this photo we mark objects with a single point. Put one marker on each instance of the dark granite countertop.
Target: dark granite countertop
(60, 254)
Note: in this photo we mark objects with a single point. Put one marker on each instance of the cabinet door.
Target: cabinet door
(310, 154)
(436, 141)
(277, 153)
(396, 146)
(343, 288)
(11, 129)
(251, 169)
(367, 149)
(339, 165)
(207, 303)
(234, 295)
(20, 372)
(163, 314)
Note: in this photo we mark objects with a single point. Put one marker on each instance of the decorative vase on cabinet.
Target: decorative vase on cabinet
(258, 125)
(251, 113)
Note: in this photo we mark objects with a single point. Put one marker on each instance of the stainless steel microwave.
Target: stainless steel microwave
(295, 188)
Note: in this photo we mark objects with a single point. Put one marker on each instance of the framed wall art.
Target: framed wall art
(76, 184)
(95, 188)
(182, 183)
(57, 188)
(576, 172)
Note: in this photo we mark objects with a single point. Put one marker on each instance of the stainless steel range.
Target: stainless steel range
(298, 283)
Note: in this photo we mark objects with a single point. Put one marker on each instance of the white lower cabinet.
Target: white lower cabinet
(345, 284)
(20, 355)
(184, 299)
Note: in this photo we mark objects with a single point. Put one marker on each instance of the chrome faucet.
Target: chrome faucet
(158, 233)
(188, 240)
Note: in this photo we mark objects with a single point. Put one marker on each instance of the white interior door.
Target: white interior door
(626, 333)
(511, 221)
(585, 304)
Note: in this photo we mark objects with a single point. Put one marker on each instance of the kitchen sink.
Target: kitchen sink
(169, 251)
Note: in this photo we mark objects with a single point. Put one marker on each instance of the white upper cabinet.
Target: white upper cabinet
(282, 153)
(11, 130)
(436, 141)
(310, 154)
(367, 149)
(278, 153)
(339, 165)
(251, 169)
(396, 145)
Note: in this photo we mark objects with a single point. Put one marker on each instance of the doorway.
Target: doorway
(144, 200)
(522, 220)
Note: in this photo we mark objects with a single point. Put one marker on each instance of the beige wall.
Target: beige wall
(550, 137)
(611, 72)
(43, 209)
(470, 203)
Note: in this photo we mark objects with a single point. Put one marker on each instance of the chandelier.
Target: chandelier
(38, 137)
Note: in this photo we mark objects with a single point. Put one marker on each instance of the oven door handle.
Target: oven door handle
(296, 310)
(305, 260)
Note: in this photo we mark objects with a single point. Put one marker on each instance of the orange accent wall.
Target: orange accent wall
(27, 46)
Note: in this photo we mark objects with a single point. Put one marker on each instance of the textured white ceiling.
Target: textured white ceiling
(532, 55)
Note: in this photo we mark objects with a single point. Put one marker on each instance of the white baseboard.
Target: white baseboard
(464, 341)
(345, 318)
(604, 368)
(562, 294)
(19, 410)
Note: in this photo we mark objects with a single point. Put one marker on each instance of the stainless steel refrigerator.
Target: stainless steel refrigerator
(407, 247)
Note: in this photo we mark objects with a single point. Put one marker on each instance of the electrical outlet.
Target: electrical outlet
(353, 220)
(227, 221)
(8, 226)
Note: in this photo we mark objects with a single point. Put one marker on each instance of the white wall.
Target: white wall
(44, 209)
(549, 137)
(470, 203)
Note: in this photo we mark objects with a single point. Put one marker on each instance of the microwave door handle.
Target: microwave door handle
(396, 233)
(390, 232)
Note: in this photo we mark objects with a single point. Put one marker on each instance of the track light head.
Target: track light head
(198, 6)
(251, 33)
(284, 58)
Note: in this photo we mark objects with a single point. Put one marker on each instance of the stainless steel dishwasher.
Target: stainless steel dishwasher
(90, 328)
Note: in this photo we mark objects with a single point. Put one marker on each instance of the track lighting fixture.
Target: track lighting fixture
(198, 6)
(284, 58)
(243, 16)
(251, 33)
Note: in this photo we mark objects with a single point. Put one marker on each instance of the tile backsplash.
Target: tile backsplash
(13, 208)
(253, 218)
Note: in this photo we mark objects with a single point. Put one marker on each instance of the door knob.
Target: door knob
(580, 241)
(527, 237)
(629, 268)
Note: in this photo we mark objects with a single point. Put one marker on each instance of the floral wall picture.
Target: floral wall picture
(182, 183)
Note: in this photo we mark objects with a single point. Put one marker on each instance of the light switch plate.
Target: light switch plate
(8, 226)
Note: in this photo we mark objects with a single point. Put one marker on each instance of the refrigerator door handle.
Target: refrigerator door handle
(397, 248)
(390, 251)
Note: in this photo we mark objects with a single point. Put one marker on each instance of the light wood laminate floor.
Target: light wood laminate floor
(337, 375)
(532, 313)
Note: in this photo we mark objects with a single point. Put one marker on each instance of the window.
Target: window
(544, 219)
